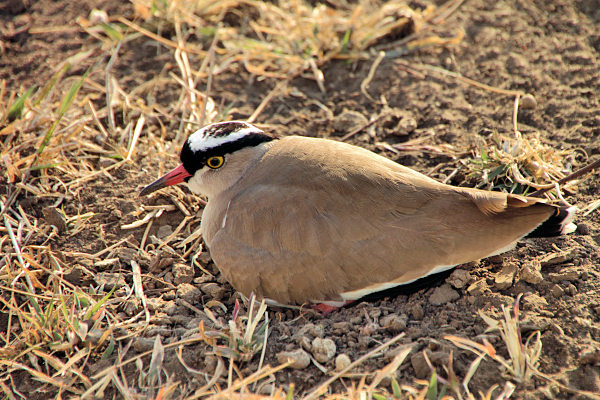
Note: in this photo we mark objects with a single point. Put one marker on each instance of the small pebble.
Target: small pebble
(557, 291)
(306, 343)
(342, 361)
(459, 278)
(317, 330)
(289, 347)
(94, 335)
(569, 275)
(164, 231)
(414, 332)
(189, 293)
(109, 280)
(363, 342)
(571, 289)
(214, 290)
(180, 319)
(583, 228)
(516, 63)
(310, 330)
(557, 258)
(155, 303)
(419, 365)
(170, 308)
(170, 295)
(417, 312)
(497, 259)
(478, 288)
(348, 121)
(300, 359)
(55, 218)
(163, 331)
(126, 255)
(130, 307)
(504, 278)
(344, 325)
(405, 126)
(323, 349)
(182, 273)
(204, 258)
(534, 302)
(210, 362)
(143, 344)
(193, 323)
(443, 294)
(589, 355)
(394, 322)
(528, 102)
(530, 272)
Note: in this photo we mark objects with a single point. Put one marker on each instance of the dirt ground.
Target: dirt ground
(549, 49)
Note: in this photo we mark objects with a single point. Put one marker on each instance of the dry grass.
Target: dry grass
(56, 139)
(519, 164)
(283, 39)
(523, 359)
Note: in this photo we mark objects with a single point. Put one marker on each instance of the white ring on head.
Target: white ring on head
(202, 141)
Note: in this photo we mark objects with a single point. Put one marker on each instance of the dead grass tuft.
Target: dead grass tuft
(523, 358)
(519, 164)
(279, 39)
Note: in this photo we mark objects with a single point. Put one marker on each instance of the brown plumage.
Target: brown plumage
(302, 219)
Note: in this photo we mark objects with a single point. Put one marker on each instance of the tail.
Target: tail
(559, 223)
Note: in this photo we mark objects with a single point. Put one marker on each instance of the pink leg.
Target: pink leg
(326, 308)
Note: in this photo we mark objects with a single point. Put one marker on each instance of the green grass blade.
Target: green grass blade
(109, 349)
(16, 109)
(67, 100)
(432, 390)
(99, 304)
(37, 308)
(48, 314)
(47, 166)
(290, 393)
(72, 323)
(112, 32)
(443, 392)
(497, 171)
(55, 78)
(71, 94)
(484, 155)
(114, 156)
(396, 388)
(345, 41)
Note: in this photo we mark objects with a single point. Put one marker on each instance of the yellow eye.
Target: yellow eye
(215, 162)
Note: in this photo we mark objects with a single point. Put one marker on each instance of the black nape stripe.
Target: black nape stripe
(195, 160)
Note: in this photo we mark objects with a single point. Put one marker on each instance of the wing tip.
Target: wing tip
(559, 223)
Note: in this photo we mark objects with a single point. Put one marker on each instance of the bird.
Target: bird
(303, 220)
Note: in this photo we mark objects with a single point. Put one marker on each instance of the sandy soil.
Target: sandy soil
(549, 49)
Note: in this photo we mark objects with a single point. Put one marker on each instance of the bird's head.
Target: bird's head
(215, 157)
